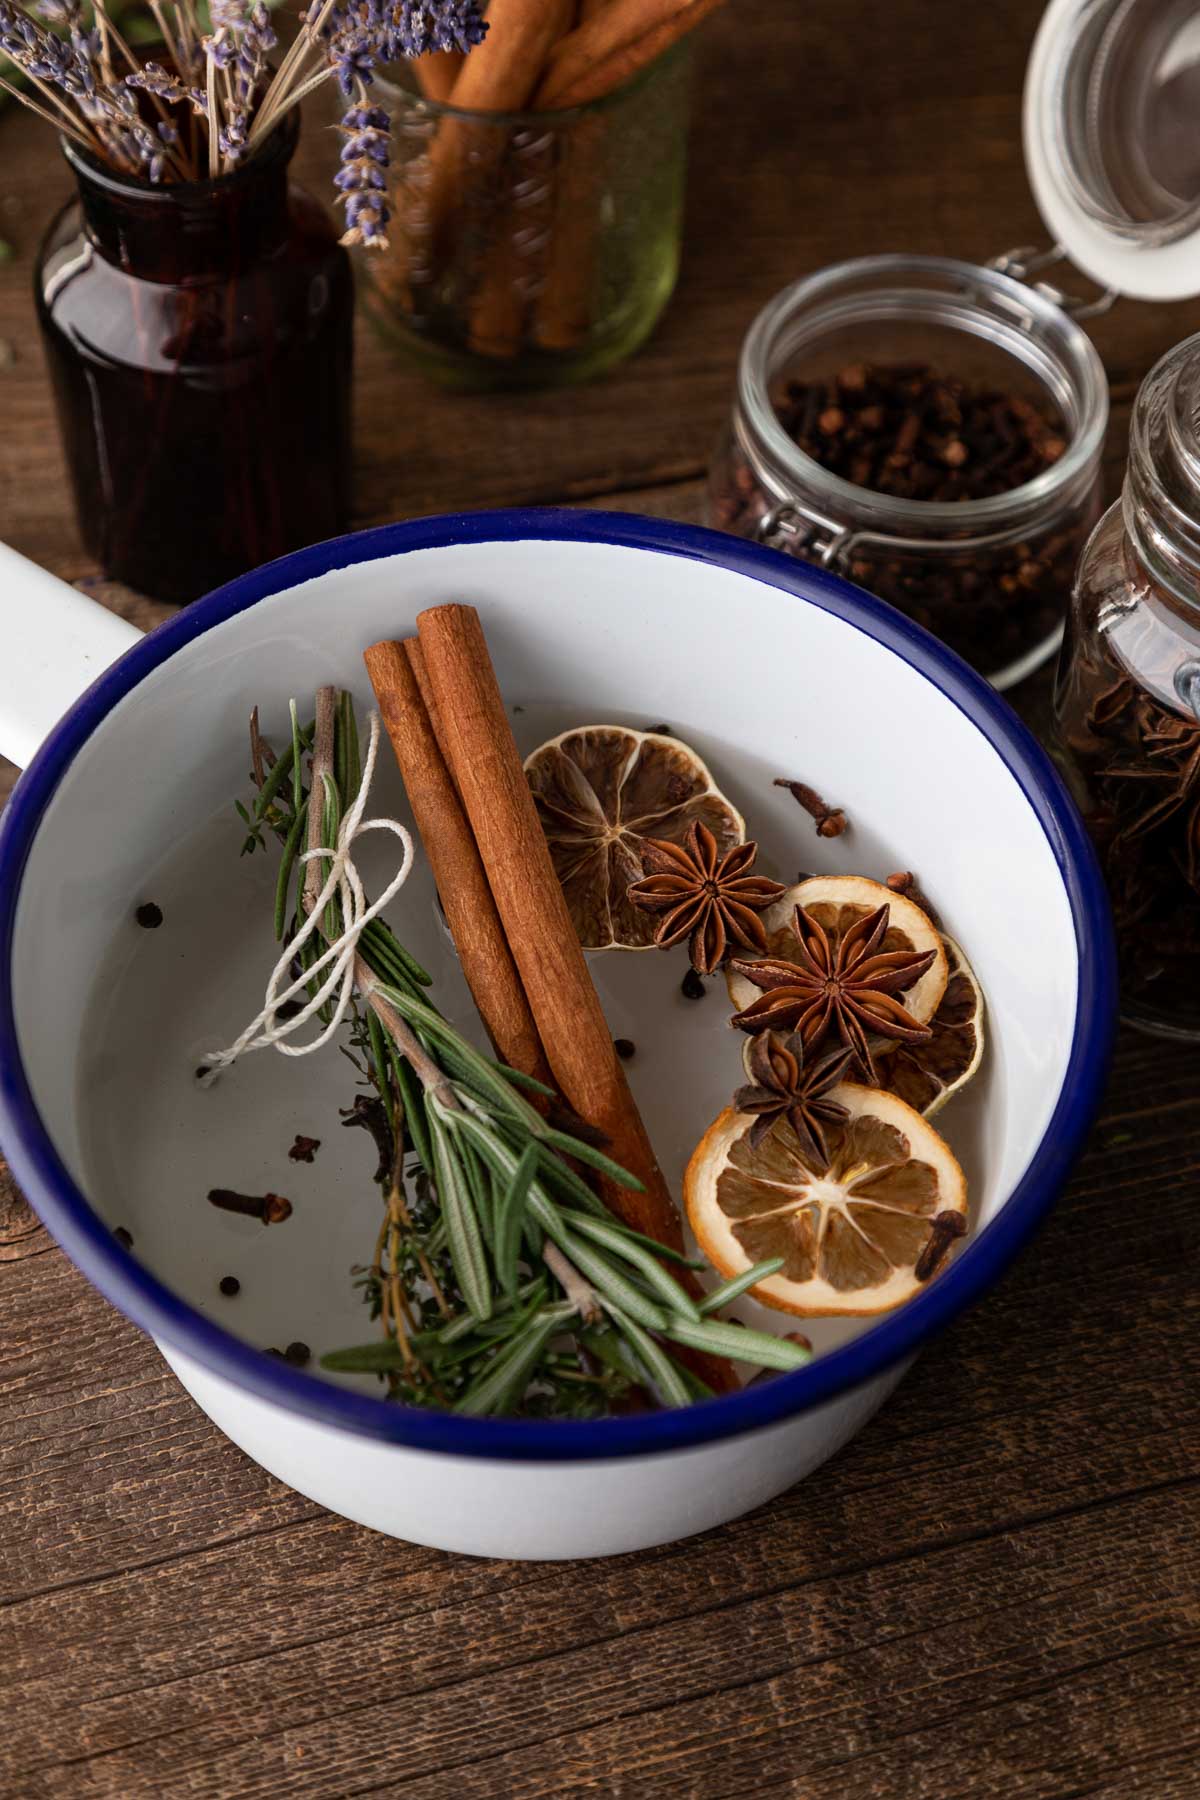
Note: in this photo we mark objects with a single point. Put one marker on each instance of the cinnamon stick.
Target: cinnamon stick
(563, 312)
(499, 76)
(612, 45)
(566, 1008)
(471, 914)
(437, 73)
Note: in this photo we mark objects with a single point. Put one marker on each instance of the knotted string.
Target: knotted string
(342, 881)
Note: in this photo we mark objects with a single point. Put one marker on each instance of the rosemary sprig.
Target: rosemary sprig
(501, 1281)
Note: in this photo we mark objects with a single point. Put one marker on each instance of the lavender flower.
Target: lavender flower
(65, 15)
(351, 53)
(154, 79)
(224, 77)
(424, 25)
(43, 55)
(362, 177)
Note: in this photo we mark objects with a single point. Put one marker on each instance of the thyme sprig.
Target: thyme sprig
(501, 1282)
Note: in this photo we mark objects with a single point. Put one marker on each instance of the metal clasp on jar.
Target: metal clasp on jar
(799, 529)
(1027, 259)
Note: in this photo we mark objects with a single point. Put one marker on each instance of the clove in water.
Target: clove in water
(270, 1209)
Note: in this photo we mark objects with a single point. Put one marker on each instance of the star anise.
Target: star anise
(850, 986)
(1167, 781)
(700, 893)
(783, 1084)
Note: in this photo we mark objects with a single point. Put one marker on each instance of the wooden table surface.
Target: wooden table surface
(991, 1591)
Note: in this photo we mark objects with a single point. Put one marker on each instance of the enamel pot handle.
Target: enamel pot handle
(53, 644)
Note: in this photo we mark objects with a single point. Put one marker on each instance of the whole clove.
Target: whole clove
(905, 882)
(910, 432)
(906, 430)
(831, 821)
(271, 1209)
(945, 1227)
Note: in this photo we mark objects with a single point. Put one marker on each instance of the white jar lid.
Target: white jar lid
(1112, 143)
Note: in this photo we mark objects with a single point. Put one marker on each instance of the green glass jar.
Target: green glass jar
(532, 249)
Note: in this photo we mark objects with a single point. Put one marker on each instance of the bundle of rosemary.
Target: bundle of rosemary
(502, 1283)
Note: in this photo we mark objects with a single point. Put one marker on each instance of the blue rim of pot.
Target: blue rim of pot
(146, 1300)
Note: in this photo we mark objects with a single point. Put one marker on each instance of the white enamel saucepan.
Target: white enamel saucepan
(768, 668)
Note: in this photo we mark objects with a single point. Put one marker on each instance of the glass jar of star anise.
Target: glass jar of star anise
(1128, 700)
(931, 429)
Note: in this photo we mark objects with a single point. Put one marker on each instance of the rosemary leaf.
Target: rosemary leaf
(530, 1292)
(289, 763)
(330, 826)
(565, 1184)
(380, 1062)
(663, 1252)
(384, 938)
(608, 1280)
(666, 1380)
(365, 1359)
(510, 1220)
(487, 1080)
(737, 1285)
(506, 1379)
(353, 752)
(412, 1097)
(521, 1080)
(291, 850)
(339, 747)
(479, 1181)
(462, 1227)
(294, 761)
(612, 1237)
(739, 1342)
(596, 1159)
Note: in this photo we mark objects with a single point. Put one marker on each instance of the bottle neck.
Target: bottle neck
(172, 231)
(1161, 498)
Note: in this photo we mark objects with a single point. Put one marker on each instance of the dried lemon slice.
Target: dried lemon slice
(847, 961)
(601, 789)
(838, 902)
(925, 1075)
(858, 1236)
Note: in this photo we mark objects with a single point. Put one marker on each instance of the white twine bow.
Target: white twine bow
(267, 1030)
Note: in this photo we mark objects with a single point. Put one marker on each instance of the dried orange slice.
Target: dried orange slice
(601, 789)
(859, 1235)
(925, 1075)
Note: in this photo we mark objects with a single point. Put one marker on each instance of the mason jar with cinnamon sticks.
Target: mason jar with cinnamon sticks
(537, 192)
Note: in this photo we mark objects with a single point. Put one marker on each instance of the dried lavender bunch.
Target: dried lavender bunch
(502, 1283)
(212, 99)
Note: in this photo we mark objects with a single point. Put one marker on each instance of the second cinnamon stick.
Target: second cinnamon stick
(450, 846)
(566, 1008)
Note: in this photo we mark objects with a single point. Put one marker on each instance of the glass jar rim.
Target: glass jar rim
(277, 150)
(1077, 358)
(528, 120)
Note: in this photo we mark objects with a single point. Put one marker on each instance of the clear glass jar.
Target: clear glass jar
(532, 249)
(989, 576)
(1128, 701)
